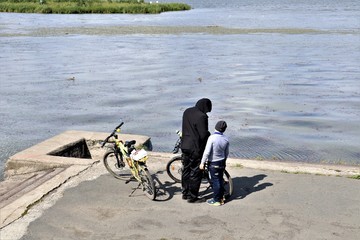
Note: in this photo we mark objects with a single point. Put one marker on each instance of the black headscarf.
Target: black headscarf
(204, 105)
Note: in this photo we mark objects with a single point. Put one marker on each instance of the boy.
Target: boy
(216, 153)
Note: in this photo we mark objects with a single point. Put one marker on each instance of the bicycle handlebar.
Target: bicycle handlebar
(119, 125)
(112, 134)
(178, 142)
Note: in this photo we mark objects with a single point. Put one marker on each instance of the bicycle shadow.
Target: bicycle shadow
(244, 186)
(165, 188)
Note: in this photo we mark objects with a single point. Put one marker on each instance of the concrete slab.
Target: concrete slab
(33, 174)
(283, 166)
(14, 209)
(38, 157)
(36, 171)
(265, 204)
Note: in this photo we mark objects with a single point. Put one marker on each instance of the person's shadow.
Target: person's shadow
(243, 186)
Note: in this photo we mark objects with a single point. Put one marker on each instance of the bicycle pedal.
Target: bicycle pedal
(130, 179)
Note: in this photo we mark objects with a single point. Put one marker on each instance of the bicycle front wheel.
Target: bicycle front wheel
(174, 168)
(147, 183)
(116, 167)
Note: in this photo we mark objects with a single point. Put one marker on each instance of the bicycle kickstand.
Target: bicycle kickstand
(134, 189)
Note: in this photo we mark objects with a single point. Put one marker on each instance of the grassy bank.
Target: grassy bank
(89, 6)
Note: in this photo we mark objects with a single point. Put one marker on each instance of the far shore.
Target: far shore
(162, 30)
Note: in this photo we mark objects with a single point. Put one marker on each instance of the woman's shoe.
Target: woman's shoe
(196, 200)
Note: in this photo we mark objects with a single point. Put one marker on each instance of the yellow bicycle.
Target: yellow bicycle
(125, 162)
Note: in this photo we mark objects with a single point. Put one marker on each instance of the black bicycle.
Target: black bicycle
(175, 166)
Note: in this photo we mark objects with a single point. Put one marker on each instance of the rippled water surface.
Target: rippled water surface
(284, 75)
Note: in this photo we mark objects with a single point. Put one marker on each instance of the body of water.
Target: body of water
(283, 74)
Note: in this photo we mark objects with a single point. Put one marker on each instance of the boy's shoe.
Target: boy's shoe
(213, 203)
(223, 200)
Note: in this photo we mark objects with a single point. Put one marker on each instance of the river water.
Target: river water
(283, 74)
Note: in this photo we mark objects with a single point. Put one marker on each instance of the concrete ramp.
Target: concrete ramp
(36, 171)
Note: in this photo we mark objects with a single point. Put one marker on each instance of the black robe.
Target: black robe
(195, 128)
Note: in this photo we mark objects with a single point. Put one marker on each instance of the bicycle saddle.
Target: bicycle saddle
(130, 143)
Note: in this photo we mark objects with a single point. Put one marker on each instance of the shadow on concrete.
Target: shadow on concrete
(165, 189)
(244, 186)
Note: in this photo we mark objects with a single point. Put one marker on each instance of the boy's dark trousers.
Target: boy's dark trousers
(216, 170)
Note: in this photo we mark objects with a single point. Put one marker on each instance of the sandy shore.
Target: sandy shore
(124, 30)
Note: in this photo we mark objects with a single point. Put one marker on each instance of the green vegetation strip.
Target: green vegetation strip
(89, 6)
(355, 177)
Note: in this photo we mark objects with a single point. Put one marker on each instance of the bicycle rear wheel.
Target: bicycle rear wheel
(119, 171)
(147, 183)
(228, 185)
(174, 168)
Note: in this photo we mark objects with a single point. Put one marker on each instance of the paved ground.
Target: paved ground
(265, 205)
